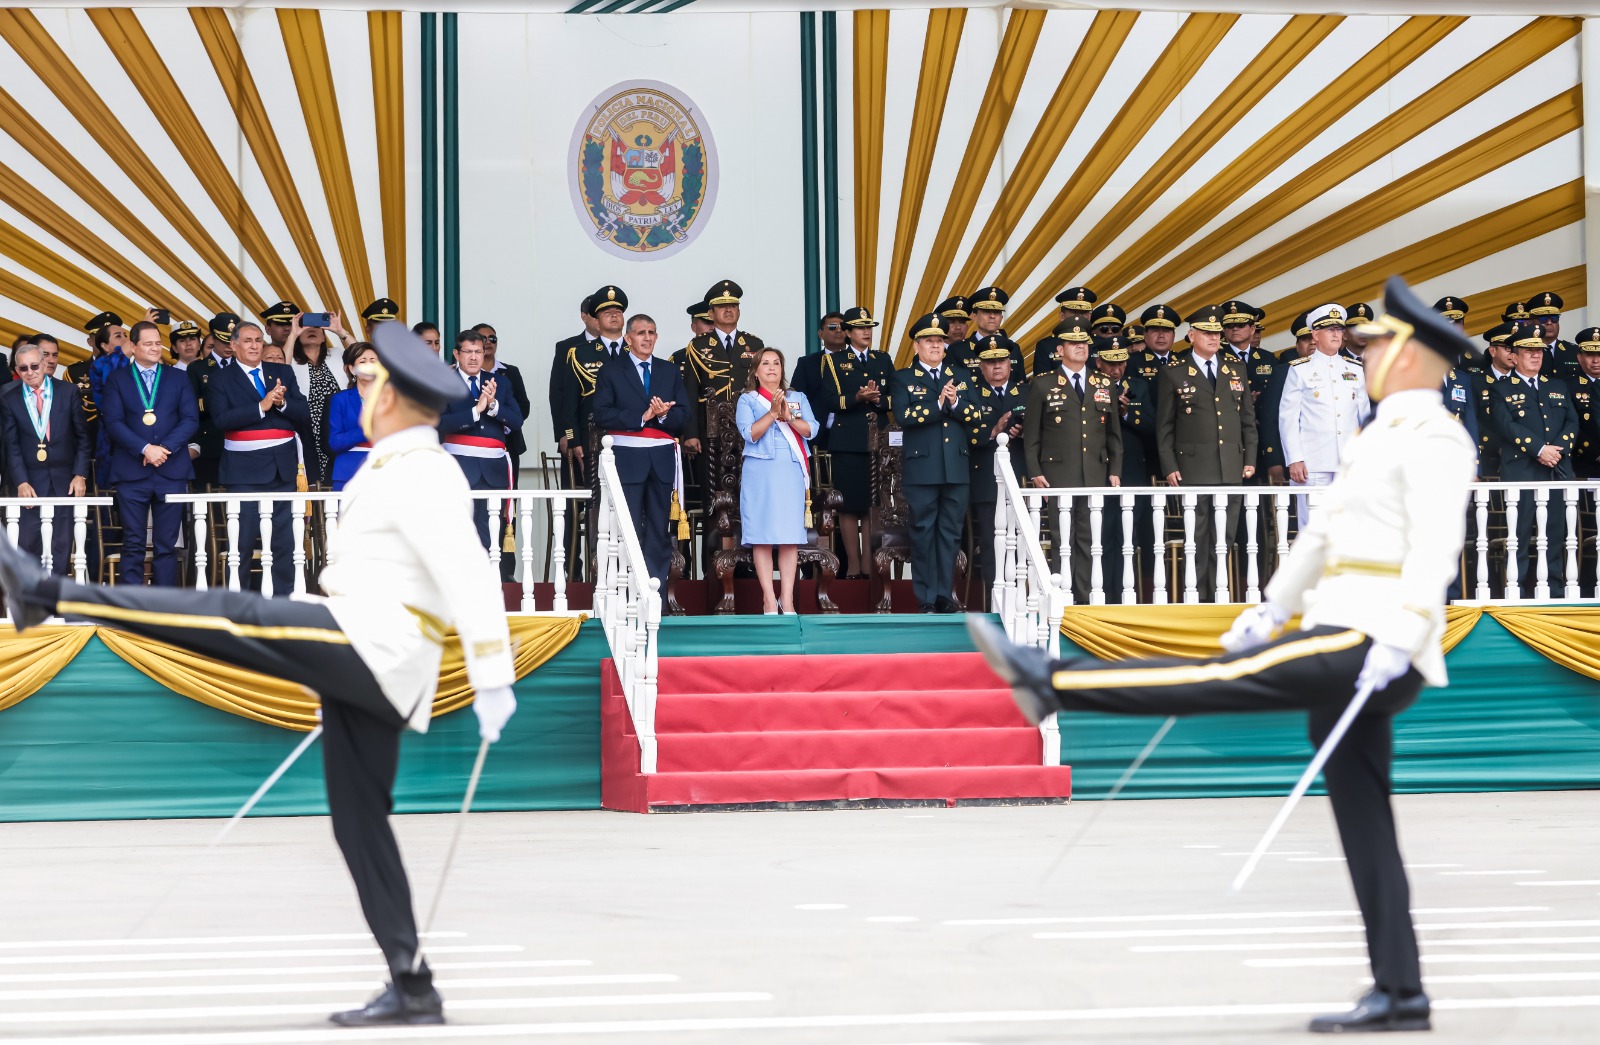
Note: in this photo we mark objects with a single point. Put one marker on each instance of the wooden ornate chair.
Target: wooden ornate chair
(889, 517)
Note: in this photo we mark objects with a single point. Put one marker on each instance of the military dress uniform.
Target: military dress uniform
(1073, 438)
(990, 403)
(403, 570)
(1586, 401)
(1147, 364)
(933, 468)
(208, 440)
(844, 374)
(1560, 357)
(1206, 430)
(1529, 414)
(1368, 577)
(1323, 406)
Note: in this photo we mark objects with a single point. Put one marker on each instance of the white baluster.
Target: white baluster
(1252, 572)
(1158, 526)
(233, 546)
(202, 560)
(1064, 547)
(1480, 499)
(297, 528)
(1569, 502)
(264, 511)
(1129, 594)
(47, 535)
(1219, 526)
(1280, 508)
(1191, 590)
(1541, 544)
(80, 543)
(1513, 584)
(525, 551)
(495, 533)
(13, 520)
(1097, 595)
(645, 721)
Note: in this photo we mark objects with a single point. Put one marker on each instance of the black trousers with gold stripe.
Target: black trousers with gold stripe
(302, 643)
(1313, 671)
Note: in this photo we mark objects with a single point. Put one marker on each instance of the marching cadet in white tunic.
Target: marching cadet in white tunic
(1368, 578)
(1323, 405)
(403, 567)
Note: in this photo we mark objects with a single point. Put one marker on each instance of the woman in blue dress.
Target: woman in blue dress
(345, 439)
(774, 491)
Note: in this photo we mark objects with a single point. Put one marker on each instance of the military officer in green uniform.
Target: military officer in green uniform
(1560, 357)
(855, 386)
(1072, 437)
(956, 311)
(988, 307)
(1160, 324)
(1077, 305)
(934, 420)
(1206, 432)
(1534, 416)
(207, 446)
(998, 402)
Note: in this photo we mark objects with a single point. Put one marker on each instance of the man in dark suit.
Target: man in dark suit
(46, 450)
(934, 417)
(643, 405)
(1206, 432)
(808, 370)
(516, 442)
(1537, 424)
(476, 430)
(999, 404)
(149, 414)
(261, 412)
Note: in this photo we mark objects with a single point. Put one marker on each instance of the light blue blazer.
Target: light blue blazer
(772, 445)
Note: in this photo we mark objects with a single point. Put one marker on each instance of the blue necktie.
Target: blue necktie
(644, 375)
(474, 386)
(149, 376)
(255, 376)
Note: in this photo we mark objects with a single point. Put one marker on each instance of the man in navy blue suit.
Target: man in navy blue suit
(477, 430)
(149, 413)
(641, 404)
(46, 438)
(261, 411)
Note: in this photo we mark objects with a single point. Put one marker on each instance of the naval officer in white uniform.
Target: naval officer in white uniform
(403, 567)
(1324, 404)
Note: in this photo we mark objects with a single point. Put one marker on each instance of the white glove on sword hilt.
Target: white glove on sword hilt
(494, 708)
(1384, 664)
(1256, 626)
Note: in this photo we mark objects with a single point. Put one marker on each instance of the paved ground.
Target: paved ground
(886, 927)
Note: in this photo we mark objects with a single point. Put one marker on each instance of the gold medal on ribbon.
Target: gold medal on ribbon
(149, 417)
(43, 454)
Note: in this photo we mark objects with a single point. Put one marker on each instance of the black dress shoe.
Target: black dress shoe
(21, 577)
(925, 607)
(1377, 1011)
(945, 604)
(393, 1006)
(1025, 669)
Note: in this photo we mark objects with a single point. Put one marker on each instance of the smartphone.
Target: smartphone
(314, 319)
(163, 317)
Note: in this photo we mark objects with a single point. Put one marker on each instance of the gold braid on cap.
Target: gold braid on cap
(369, 402)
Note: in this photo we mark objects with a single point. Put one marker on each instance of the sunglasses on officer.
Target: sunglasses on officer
(28, 368)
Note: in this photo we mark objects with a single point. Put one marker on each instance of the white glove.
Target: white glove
(1256, 626)
(1384, 665)
(494, 708)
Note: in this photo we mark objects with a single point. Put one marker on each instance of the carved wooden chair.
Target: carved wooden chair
(890, 515)
(726, 447)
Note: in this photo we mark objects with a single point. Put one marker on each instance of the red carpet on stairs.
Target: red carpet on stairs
(738, 731)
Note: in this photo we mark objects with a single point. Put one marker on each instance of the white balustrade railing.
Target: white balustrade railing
(1027, 597)
(13, 508)
(1562, 520)
(234, 508)
(627, 600)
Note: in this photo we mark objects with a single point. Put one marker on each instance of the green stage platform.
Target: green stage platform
(103, 741)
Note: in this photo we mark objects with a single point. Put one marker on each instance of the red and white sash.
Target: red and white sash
(797, 445)
(649, 437)
(259, 439)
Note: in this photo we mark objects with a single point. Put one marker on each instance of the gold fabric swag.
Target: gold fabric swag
(29, 661)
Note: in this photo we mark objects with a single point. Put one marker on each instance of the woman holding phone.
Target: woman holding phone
(346, 441)
(775, 489)
(318, 381)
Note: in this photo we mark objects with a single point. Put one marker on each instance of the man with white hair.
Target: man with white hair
(1324, 402)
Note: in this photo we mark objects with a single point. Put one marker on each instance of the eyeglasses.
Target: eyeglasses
(833, 326)
(492, 339)
(28, 368)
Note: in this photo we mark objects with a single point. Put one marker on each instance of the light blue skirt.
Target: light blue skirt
(772, 502)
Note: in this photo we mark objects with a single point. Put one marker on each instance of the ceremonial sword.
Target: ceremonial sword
(1111, 796)
(1340, 728)
(450, 854)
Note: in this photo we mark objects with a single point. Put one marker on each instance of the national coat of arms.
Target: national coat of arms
(643, 170)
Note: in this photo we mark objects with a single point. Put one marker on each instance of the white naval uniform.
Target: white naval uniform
(1324, 402)
(404, 559)
(1383, 547)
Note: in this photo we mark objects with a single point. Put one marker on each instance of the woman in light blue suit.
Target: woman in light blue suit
(774, 492)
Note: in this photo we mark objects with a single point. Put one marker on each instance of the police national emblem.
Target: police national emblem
(643, 169)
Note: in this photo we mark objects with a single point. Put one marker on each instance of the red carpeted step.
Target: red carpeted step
(824, 785)
(851, 709)
(846, 749)
(825, 673)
